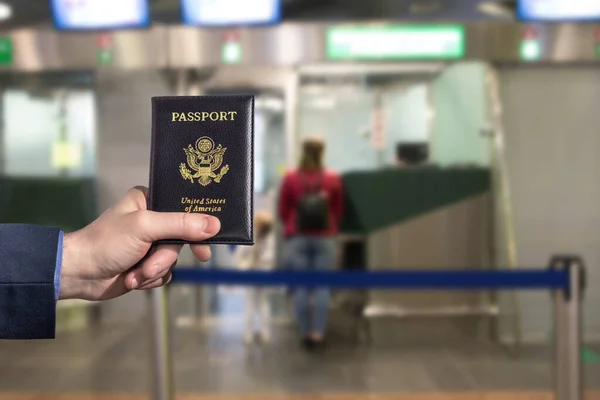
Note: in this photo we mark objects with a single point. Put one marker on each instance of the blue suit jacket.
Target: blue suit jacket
(30, 261)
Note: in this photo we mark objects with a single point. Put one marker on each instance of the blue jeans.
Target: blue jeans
(307, 253)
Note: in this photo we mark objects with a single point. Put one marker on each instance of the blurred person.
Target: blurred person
(310, 208)
(258, 257)
(42, 265)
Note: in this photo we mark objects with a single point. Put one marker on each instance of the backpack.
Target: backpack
(312, 212)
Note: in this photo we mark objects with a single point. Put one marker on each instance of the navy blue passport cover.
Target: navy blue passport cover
(202, 161)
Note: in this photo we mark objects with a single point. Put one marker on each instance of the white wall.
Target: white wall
(460, 104)
(552, 123)
(124, 113)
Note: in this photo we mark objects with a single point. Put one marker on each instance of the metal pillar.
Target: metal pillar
(503, 216)
(568, 331)
(162, 363)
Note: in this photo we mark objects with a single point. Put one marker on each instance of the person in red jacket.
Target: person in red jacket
(310, 208)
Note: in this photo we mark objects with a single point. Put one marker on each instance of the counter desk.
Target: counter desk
(421, 218)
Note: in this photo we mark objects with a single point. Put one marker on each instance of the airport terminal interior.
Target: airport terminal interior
(466, 136)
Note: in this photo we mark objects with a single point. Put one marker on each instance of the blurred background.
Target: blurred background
(465, 132)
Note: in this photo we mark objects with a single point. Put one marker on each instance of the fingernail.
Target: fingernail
(212, 225)
(134, 282)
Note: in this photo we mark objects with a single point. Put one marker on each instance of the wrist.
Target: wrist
(72, 283)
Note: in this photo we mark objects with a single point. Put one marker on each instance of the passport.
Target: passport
(202, 161)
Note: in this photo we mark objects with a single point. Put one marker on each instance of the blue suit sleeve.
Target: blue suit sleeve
(29, 270)
(58, 268)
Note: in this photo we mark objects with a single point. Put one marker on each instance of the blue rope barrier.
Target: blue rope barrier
(445, 279)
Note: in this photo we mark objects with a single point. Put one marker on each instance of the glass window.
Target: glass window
(49, 133)
(370, 120)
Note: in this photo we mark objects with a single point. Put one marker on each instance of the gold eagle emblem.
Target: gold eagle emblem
(204, 159)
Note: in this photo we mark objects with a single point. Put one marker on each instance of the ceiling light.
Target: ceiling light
(5, 11)
(495, 9)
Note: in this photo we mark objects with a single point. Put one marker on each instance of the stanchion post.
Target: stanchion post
(162, 363)
(568, 374)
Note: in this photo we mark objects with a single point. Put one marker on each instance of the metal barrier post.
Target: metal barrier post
(567, 336)
(162, 384)
(162, 363)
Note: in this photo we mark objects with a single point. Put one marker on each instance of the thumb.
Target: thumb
(151, 226)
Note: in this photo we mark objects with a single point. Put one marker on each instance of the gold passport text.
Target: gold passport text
(198, 116)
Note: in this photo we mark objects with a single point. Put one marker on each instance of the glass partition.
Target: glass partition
(370, 118)
(49, 128)
(386, 119)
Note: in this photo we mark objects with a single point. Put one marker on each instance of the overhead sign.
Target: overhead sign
(100, 14)
(6, 51)
(231, 12)
(558, 10)
(410, 42)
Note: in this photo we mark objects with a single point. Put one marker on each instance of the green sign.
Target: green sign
(232, 52)
(531, 50)
(6, 51)
(598, 51)
(411, 42)
(589, 356)
(105, 57)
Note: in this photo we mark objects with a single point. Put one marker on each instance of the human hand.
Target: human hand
(97, 259)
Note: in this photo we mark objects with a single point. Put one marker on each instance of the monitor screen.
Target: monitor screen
(558, 10)
(229, 13)
(100, 14)
(412, 153)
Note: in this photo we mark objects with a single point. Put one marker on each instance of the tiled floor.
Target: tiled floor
(433, 396)
(116, 360)
(212, 363)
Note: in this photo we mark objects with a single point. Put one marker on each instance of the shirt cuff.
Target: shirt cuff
(58, 268)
